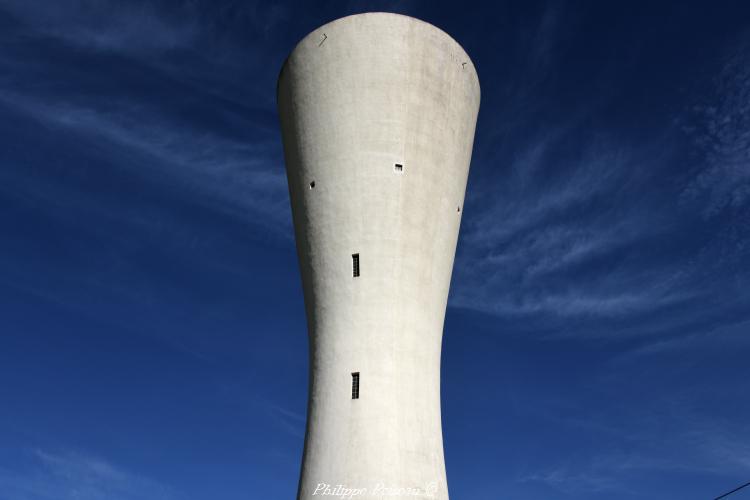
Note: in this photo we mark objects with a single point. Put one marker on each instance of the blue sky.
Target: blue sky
(153, 341)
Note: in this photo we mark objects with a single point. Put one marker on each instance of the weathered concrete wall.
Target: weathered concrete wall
(356, 97)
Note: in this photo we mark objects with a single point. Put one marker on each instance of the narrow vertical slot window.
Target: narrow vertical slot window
(355, 385)
(355, 265)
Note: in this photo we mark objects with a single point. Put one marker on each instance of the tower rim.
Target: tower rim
(379, 14)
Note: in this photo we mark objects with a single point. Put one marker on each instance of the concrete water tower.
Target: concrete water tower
(377, 114)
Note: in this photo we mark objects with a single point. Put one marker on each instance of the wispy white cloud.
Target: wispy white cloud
(290, 421)
(70, 475)
(166, 139)
(238, 177)
(145, 29)
(703, 339)
(106, 25)
(721, 129)
(574, 482)
(544, 38)
(576, 218)
(529, 249)
(674, 437)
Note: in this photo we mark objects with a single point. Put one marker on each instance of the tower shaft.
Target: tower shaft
(378, 114)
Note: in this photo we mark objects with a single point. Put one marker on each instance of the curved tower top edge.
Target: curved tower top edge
(351, 17)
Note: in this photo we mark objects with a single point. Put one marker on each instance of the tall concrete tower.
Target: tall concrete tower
(377, 114)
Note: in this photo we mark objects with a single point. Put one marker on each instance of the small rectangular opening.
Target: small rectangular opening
(355, 385)
(355, 265)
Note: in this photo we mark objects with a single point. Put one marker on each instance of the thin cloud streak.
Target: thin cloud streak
(291, 422)
(689, 443)
(721, 131)
(70, 475)
(135, 27)
(238, 176)
(519, 250)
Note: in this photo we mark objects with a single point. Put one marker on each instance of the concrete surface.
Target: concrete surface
(356, 97)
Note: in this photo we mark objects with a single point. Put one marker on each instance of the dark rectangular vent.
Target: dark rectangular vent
(355, 265)
(355, 385)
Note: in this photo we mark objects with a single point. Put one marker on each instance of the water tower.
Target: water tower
(378, 114)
